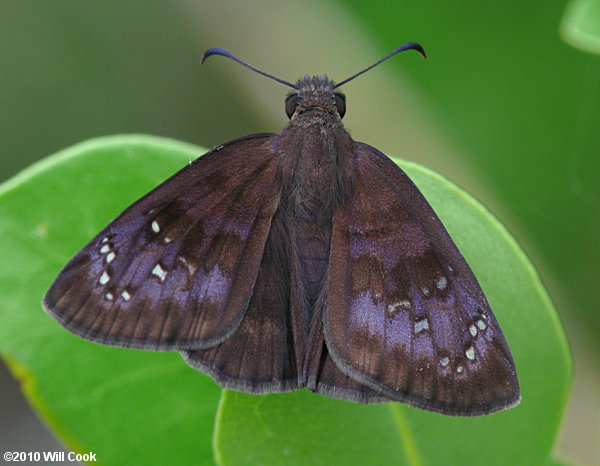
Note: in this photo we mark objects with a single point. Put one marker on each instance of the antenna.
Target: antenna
(410, 46)
(226, 53)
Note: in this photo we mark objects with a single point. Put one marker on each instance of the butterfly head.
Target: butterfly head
(315, 94)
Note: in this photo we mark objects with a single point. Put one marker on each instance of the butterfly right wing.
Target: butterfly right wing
(176, 270)
(405, 315)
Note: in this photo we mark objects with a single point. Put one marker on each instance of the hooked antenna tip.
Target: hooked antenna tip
(416, 46)
(215, 51)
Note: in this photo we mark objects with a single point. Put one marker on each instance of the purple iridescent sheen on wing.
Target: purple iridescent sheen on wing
(176, 269)
(406, 316)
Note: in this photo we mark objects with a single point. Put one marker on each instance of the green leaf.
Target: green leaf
(581, 25)
(303, 428)
(137, 407)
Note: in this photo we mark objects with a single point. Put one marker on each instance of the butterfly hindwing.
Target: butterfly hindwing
(327, 379)
(176, 269)
(406, 316)
(259, 357)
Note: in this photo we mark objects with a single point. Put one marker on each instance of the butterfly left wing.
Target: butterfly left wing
(176, 269)
(259, 357)
(406, 316)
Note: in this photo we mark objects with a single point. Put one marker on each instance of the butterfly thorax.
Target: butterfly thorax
(312, 147)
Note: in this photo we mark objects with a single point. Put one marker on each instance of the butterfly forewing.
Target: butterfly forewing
(176, 269)
(406, 315)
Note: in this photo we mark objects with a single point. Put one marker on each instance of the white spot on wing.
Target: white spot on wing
(444, 361)
(441, 283)
(473, 330)
(109, 296)
(404, 303)
(105, 239)
(481, 325)
(425, 290)
(110, 257)
(167, 240)
(155, 227)
(159, 272)
(104, 278)
(470, 353)
(459, 369)
(104, 249)
(125, 295)
(421, 325)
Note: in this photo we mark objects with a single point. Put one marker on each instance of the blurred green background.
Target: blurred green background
(503, 106)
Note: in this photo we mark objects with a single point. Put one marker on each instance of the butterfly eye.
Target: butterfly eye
(340, 103)
(291, 102)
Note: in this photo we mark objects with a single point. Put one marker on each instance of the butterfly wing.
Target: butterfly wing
(406, 316)
(328, 380)
(176, 269)
(259, 356)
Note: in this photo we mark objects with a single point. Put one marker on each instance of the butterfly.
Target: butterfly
(300, 259)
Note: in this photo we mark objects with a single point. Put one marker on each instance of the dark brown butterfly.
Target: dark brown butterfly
(300, 259)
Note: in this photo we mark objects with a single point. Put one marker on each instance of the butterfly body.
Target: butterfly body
(316, 154)
(300, 259)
